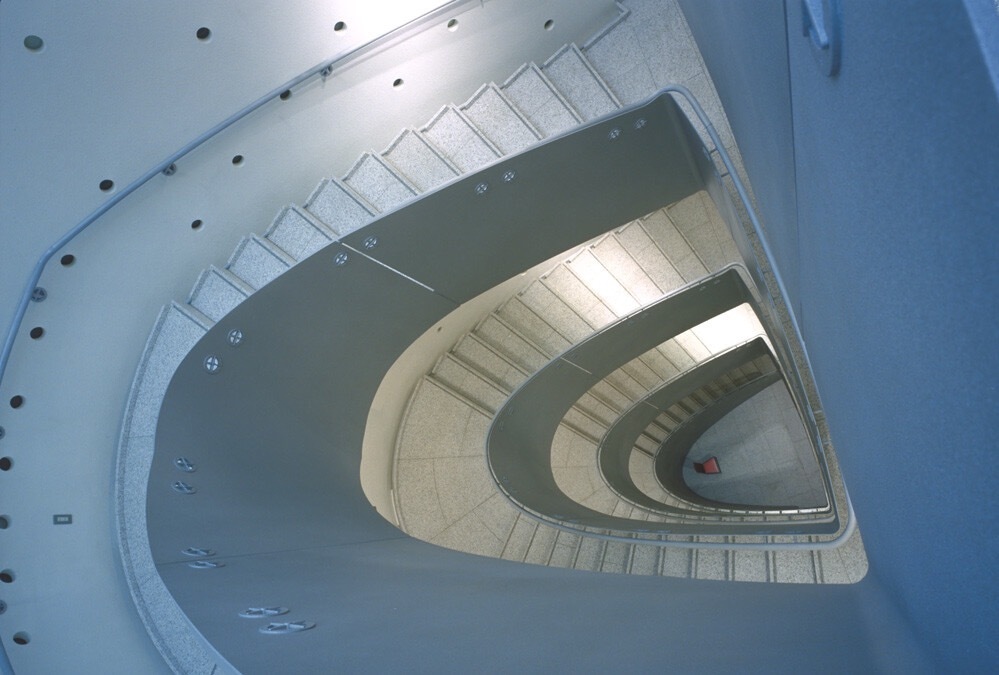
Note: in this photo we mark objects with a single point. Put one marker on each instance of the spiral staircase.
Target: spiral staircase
(441, 445)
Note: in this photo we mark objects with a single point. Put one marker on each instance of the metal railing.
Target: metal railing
(795, 381)
(324, 69)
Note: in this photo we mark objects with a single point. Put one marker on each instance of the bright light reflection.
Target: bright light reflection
(728, 329)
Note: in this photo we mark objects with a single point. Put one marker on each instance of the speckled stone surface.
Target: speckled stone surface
(175, 333)
(257, 262)
(338, 207)
(581, 86)
(458, 140)
(297, 235)
(422, 165)
(499, 121)
(539, 101)
(217, 293)
(373, 180)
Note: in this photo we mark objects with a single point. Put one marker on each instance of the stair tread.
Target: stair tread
(377, 183)
(297, 235)
(539, 101)
(498, 120)
(258, 262)
(459, 140)
(579, 83)
(416, 159)
(338, 207)
(217, 292)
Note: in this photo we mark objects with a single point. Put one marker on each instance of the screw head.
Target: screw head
(258, 612)
(170, 170)
(235, 337)
(184, 464)
(195, 552)
(509, 175)
(3, 432)
(340, 259)
(640, 123)
(482, 188)
(184, 488)
(283, 628)
(370, 242)
(206, 564)
(212, 363)
(39, 294)
(614, 133)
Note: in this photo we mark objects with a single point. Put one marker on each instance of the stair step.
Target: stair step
(676, 562)
(339, 207)
(468, 383)
(650, 257)
(258, 262)
(459, 140)
(519, 542)
(542, 545)
(526, 322)
(554, 312)
(711, 563)
(499, 121)
(422, 164)
(590, 554)
(581, 86)
(217, 292)
(540, 101)
(616, 558)
(377, 183)
(668, 238)
(644, 560)
(602, 283)
(565, 550)
(611, 253)
(751, 565)
(576, 295)
(489, 362)
(618, 56)
(506, 340)
(297, 235)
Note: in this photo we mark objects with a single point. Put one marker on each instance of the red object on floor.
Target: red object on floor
(707, 466)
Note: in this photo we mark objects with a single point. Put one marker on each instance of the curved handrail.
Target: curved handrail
(846, 528)
(325, 69)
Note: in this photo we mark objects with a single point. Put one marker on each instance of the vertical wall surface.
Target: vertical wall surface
(892, 263)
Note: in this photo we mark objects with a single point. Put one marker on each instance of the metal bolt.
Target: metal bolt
(198, 552)
(258, 612)
(640, 123)
(340, 259)
(326, 72)
(184, 488)
(509, 175)
(285, 628)
(212, 363)
(170, 170)
(235, 337)
(185, 465)
(614, 133)
(39, 294)
(482, 188)
(370, 242)
(3, 432)
(206, 564)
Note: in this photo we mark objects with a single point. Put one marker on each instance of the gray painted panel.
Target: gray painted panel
(673, 452)
(565, 191)
(520, 438)
(264, 466)
(614, 452)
